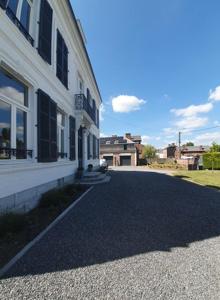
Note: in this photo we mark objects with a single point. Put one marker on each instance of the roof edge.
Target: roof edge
(84, 47)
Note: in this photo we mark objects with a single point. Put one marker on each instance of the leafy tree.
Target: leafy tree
(215, 147)
(188, 144)
(149, 151)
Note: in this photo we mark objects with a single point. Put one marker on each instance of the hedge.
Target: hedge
(208, 158)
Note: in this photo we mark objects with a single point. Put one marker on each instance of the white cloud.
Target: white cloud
(193, 110)
(101, 112)
(4, 125)
(215, 94)
(191, 123)
(126, 104)
(12, 93)
(145, 139)
(207, 138)
(102, 134)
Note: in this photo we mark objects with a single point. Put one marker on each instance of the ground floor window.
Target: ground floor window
(21, 128)
(61, 134)
(5, 129)
(13, 117)
(13, 131)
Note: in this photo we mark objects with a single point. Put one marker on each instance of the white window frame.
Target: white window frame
(14, 106)
(64, 128)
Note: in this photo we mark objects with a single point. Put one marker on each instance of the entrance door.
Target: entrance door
(125, 160)
(80, 147)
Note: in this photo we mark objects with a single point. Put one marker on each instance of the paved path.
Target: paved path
(142, 236)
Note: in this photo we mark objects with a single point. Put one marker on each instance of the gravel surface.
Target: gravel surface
(144, 235)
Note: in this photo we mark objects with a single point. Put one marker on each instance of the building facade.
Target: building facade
(119, 150)
(49, 100)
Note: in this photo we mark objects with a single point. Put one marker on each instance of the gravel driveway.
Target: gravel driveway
(144, 235)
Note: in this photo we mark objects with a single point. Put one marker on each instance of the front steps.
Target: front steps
(90, 178)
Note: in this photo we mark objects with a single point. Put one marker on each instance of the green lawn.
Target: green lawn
(207, 178)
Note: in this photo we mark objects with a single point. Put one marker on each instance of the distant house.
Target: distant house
(172, 151)
(194, 150)
(137, 140)
(121, 151)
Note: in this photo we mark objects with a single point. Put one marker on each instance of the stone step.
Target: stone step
(100, 177)
(99, 180)
(92, 175)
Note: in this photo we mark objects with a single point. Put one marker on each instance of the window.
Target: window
(25, 14)
(21, 119)
(5, 129)
(125, 147)
(13, 117)
(60, 133)
(13, 4)
(20, 16)
(62, 60)
(45, 31)
(12, 88)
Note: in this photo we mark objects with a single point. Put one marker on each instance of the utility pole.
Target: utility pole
(180, 144)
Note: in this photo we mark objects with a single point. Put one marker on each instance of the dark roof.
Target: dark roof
(136, 137)
(112, 140)
(195, 148)
(81, 38)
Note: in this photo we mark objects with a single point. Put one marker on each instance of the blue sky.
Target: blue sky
(157, 64)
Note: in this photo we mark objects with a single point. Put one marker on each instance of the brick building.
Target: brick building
(121, 151)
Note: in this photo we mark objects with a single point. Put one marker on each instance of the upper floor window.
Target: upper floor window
(13, 5)
(25, 14)
(62, 60)
(19, 12)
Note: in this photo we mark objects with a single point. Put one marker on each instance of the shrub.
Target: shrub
(53, 198)
(211, 160)
(69, 189)
(12, 223)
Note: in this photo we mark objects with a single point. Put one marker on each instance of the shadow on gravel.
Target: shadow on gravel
(136, 213)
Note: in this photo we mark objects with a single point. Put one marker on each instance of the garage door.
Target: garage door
(125, 160)
(109, 160)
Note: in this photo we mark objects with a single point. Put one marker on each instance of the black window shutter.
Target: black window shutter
(98, 148)
(72, 133)
(88, 94)
(45, 31)
(62, 60)
(94, 147)
(47, 128)
(88, 146)
(97, 118)
(3, 4)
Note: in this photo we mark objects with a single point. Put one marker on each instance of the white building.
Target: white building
(49, 100)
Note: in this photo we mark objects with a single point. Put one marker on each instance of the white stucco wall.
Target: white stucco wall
(24, 62)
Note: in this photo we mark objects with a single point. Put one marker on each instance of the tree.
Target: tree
(149, 151)
(188, 144)
(215, 147)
